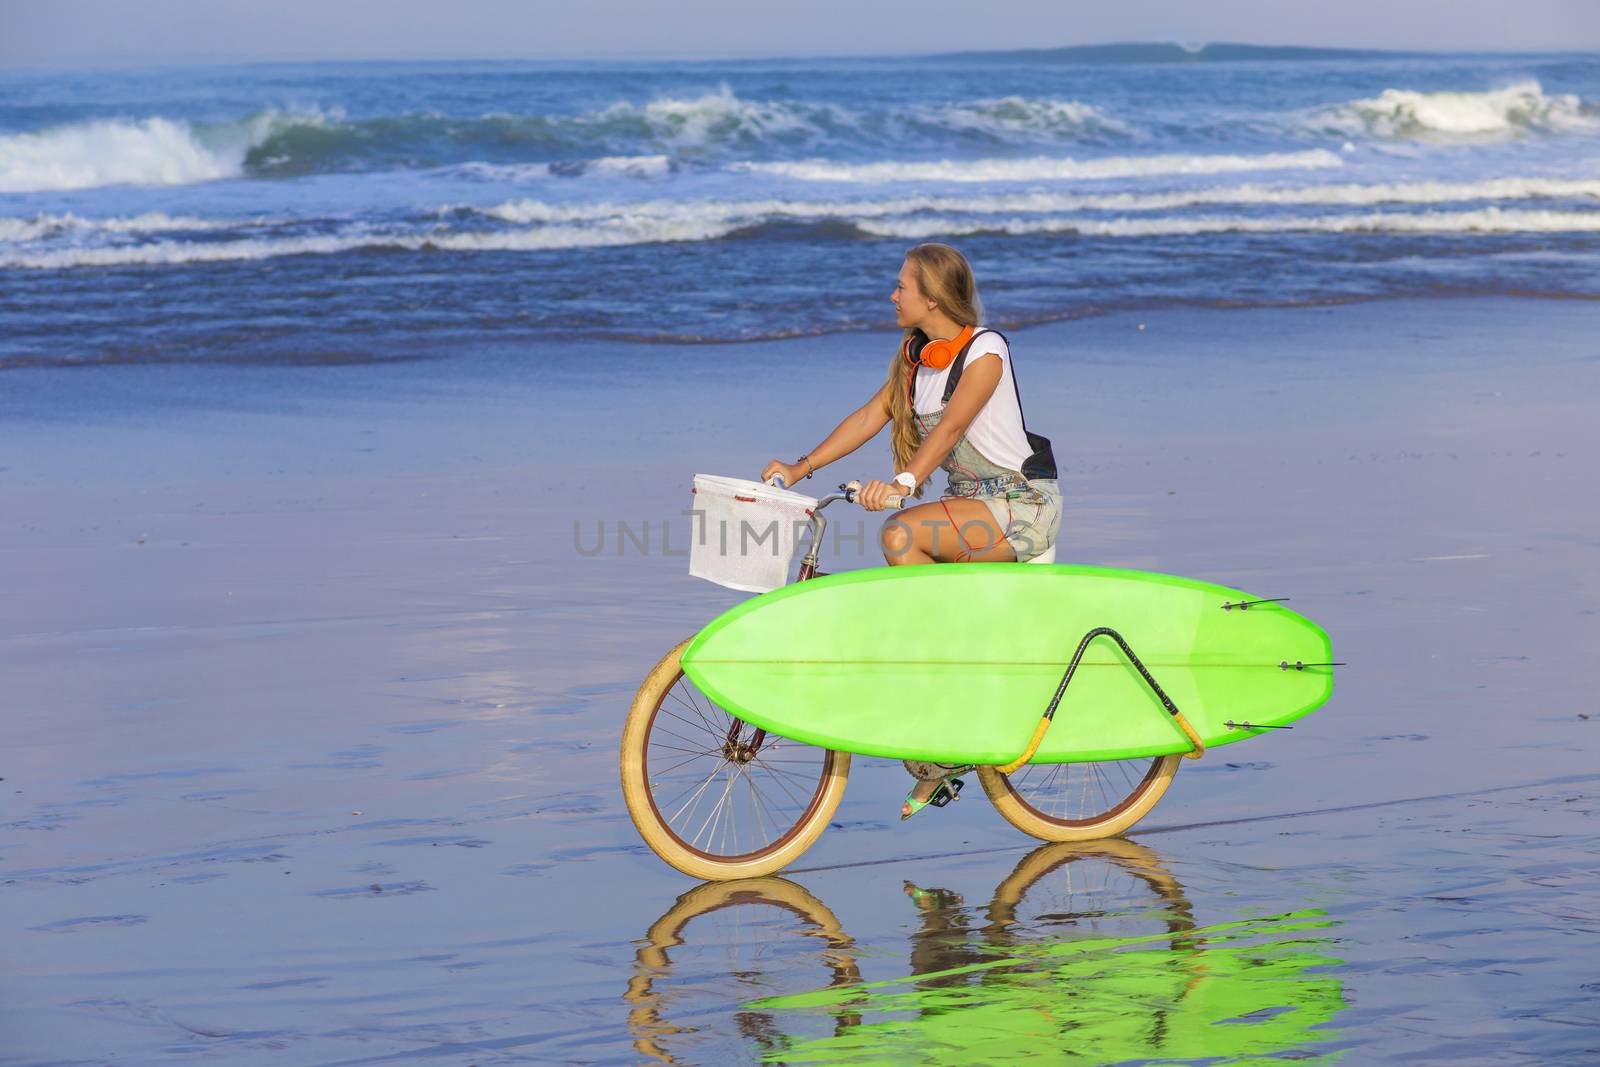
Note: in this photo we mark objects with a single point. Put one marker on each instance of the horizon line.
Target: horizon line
(1190, 48)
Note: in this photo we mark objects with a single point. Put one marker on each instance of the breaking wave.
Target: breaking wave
(1521, 109)
(152, 151)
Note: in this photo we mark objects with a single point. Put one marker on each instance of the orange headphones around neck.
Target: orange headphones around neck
(935, 355)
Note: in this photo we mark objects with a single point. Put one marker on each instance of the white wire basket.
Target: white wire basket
(744, 534)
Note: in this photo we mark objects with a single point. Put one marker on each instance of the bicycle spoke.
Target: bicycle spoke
(693, 706)
(1079, 792)
(781, 784)
(687, 740)
(691, 751)
(772, 818)
(695, 724)
(797, 776)
(755, 806)
(663, 772)
(695, 785)
(715, 810)
(713, 717)
(709, 779)
(698, 722)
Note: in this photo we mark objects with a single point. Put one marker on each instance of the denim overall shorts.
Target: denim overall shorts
(1026, 511)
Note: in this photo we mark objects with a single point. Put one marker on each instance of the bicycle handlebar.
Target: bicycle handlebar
(851, 488)
(847, 491)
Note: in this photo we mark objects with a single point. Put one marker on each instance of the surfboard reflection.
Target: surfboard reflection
(1089, 947)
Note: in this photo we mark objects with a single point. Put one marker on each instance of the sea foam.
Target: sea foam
(635, 228)
(528, 210)
(597, 235)
(1488, 220)
(1042, 169)
(46, 227)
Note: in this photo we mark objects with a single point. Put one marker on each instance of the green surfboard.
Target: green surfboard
(956, 662)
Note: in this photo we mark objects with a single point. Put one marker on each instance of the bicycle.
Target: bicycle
(719, 799)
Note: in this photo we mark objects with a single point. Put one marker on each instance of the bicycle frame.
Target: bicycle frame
(819, 525)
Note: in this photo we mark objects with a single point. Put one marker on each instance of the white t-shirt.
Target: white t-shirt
(997, 431)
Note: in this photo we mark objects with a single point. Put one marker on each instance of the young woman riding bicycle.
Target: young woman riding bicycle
(952, 402)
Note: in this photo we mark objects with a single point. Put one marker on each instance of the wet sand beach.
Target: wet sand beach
(314, 677)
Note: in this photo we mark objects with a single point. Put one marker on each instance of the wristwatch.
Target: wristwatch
(907, 479)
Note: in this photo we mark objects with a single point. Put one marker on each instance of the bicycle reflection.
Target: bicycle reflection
(740, 905)
(1087, 947)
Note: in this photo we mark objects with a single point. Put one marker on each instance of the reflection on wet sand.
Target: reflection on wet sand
(745, 909)
(1071, 889)
(1089, 947)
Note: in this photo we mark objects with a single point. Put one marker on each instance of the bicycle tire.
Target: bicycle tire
(1043, 806)
(794, 814)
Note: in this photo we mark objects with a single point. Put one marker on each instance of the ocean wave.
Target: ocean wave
(151, 151)
(649, 139)
(722, 118)
(1498, 114)
(620, 232)
(526, 211)
(1488, 220)
(1020, 120)
(1042, 169)
(528, 224)
(47, 227)
(716, 121)
(653, 166)
(640, 228)
(164, 151)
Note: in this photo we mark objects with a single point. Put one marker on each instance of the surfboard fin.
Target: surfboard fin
(1242, 605)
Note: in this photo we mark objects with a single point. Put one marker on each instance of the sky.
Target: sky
(57, 30)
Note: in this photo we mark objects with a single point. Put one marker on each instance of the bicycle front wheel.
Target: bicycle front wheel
(1079, 801)
(713, 796)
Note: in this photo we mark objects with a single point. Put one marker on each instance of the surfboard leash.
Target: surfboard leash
(1050, 712)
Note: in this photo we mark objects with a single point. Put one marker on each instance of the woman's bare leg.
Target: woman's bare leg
(925, 534)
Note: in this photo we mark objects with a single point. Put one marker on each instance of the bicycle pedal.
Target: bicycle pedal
(948, 790)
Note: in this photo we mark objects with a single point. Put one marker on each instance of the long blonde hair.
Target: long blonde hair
(945, 277)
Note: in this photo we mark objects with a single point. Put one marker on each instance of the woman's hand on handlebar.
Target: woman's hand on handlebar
(791, 473)
(876, 495)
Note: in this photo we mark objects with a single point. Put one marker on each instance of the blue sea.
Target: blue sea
(348, 212)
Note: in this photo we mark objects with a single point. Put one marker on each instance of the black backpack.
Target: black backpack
(1042, 464)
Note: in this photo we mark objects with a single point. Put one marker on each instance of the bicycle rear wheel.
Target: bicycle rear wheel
(713, 796)
(1079, 801)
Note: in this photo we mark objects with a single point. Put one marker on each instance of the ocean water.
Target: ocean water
(344, 212)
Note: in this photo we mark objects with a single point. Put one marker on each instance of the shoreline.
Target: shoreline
(439, 351)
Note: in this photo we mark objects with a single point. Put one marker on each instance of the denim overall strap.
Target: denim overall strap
(971, 472)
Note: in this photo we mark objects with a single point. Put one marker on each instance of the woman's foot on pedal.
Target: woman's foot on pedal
(935, 791)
